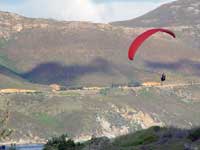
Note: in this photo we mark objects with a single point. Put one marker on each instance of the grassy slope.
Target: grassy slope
(154, 138)
(77, 59)
(157, 138)
(82, 53)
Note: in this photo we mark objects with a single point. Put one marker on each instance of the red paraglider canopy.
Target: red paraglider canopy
(141, 38)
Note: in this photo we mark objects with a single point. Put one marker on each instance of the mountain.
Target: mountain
(34, 48)
(178, 13)
(83, 53)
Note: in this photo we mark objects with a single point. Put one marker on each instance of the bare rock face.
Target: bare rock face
(12, 23)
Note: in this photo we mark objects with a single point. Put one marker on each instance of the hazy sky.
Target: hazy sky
(81, 10)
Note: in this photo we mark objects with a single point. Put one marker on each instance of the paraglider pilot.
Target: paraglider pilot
(163, 78)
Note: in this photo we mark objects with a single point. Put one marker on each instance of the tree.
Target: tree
(60, 143)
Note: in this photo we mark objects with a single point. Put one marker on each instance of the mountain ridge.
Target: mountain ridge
(177, 13)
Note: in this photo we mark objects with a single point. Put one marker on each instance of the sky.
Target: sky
(103, 11)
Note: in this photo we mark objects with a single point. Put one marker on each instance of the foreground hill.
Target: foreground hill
(110, 112)
(155, 138)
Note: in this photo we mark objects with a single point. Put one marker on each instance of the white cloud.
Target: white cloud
(80, 10)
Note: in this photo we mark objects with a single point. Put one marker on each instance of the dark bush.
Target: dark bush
(60, 143)
(194, 135)
(156, 128)
(134, 84)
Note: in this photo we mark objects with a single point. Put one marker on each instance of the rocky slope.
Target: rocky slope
(106, 112)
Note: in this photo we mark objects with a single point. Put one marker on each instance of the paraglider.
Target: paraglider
(139, 41)
(141, 38)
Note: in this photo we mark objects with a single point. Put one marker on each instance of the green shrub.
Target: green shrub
(145, 139)
(156, 128)
(104, 91)
(194, 135)
(139, 138)
(60, 143)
